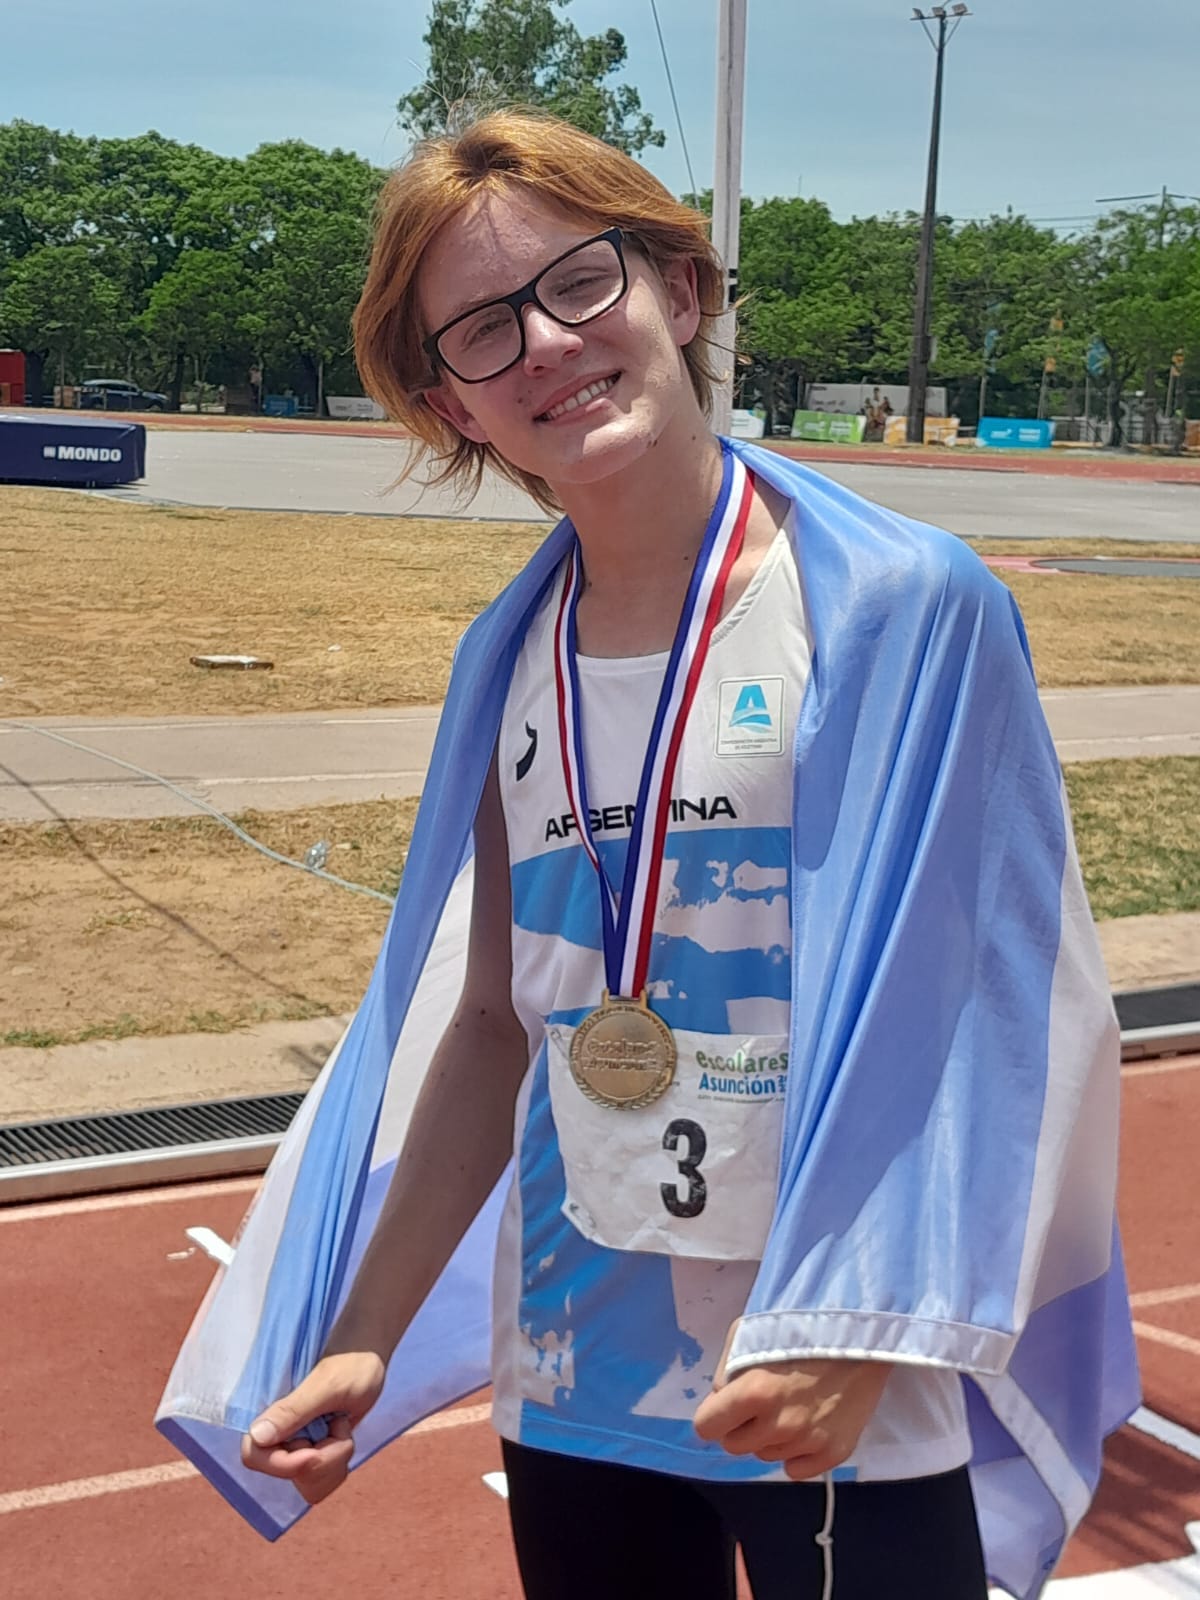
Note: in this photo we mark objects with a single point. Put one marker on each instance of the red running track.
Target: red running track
(99, 1293)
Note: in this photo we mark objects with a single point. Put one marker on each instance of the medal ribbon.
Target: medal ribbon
(627, 923)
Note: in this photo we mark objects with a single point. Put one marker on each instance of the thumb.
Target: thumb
(287, 1416)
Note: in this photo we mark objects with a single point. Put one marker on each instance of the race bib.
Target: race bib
(693, 1174)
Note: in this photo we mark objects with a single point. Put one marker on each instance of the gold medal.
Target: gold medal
(622, 1055)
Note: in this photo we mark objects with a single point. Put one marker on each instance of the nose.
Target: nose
(547, 342)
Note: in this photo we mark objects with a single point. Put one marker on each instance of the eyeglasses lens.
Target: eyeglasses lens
(579, 287)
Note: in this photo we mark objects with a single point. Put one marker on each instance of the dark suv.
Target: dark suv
(118, 394)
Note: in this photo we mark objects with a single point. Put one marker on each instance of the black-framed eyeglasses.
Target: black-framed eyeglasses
(583, 283)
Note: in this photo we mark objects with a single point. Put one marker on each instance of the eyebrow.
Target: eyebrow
(490, 299)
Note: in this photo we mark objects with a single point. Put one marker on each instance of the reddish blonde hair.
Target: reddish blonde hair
(560, 167)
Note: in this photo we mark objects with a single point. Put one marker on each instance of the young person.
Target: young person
(781, 998)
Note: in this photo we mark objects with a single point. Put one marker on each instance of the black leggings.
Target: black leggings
(590, 1530)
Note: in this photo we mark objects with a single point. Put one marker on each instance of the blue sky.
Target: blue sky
(1050, 104)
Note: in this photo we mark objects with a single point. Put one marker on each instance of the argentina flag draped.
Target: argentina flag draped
(948, 1170)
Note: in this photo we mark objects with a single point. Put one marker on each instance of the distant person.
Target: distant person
(877, 408)
(782, 997)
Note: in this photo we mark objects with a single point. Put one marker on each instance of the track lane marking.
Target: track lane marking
(1167, 1336)
(1164, 1297)
(57, 1494)
(44, 1209)
(1152, 1069)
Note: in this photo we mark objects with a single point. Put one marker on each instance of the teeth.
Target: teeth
(592, 392)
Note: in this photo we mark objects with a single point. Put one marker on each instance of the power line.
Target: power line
(662, 44)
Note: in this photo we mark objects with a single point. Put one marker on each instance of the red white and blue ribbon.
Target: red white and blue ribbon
(627, 920)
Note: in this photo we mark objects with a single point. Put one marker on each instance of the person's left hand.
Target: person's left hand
(807, 1414)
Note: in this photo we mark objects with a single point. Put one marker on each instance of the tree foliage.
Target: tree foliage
(523, 52)
(167, 262)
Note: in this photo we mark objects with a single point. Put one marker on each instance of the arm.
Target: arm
(447, 1168)
(450, 1163)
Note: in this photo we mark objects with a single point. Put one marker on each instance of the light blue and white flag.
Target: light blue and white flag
(949, 1158)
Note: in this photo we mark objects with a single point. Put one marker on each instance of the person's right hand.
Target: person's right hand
(342, 1388)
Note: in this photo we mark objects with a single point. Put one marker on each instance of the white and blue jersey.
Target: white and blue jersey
(612, 1307)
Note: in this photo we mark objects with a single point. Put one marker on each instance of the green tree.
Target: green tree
(522, 52)
(56, 305)
(198, 309)
(800, 320)
(41, 183)
(305, 296)
(1139, 290)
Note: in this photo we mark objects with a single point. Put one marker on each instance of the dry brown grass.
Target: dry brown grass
(171, 926)
(1136, 829)
(102, 604)
(116, 928)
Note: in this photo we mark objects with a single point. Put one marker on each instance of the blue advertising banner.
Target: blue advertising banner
(1014, 433)
(45, 448)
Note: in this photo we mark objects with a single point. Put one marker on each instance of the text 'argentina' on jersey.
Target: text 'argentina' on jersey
(609, 819)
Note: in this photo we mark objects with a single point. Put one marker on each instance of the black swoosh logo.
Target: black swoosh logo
(526, 760)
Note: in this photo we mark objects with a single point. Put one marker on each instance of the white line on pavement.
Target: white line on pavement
(1154, 1069)
(1167, 1336)
(1166, 1432)
(57, 1494)
(120, 1202)
(1164, 1297)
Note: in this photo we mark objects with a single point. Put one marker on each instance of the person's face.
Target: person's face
(494, 247)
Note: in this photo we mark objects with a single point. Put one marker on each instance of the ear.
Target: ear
(683, 300)
(447, 404)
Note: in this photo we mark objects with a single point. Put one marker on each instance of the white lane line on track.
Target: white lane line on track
(45, 1209)
(1167, 1336)
(1164, 1297)
(58, 1494)
(1154, 1069)
(1166, 1432)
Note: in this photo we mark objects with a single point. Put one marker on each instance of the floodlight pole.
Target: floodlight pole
(727, 188)
(918, 366)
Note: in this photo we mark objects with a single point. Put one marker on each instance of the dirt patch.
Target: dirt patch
(102, 605)
(114, 929)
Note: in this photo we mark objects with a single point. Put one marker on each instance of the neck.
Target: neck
(641, 527)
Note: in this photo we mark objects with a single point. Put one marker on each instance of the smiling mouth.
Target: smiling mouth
(582, 397)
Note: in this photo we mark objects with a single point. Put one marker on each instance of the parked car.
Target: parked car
(118, 394)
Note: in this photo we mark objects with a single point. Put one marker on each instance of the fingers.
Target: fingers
(316, 1470)
(728, 1408)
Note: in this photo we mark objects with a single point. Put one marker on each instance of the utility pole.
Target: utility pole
(918, 366)
(727, 186)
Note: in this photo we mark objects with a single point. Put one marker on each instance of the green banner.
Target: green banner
(833, 427)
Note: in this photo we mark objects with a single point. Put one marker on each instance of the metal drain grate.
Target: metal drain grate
(164, 1144)
(1159, 1008)
(161, 1127)
(1156, 1022)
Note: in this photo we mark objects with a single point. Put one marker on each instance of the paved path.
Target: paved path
(319, 472)
(314, 758)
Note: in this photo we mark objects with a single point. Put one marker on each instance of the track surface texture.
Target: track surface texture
(95, 1506)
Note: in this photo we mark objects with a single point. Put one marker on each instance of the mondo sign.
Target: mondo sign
(47, 448)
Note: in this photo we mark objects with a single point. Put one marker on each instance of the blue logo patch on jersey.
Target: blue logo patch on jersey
(751, 708)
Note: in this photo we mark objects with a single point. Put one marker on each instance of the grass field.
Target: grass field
(119, 928)
(103, 603)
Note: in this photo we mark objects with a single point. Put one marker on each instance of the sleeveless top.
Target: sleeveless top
(630, 1238)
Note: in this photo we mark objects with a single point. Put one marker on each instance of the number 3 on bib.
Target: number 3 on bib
(693, 1203)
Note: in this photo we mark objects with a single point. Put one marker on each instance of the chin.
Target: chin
(597, 453)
